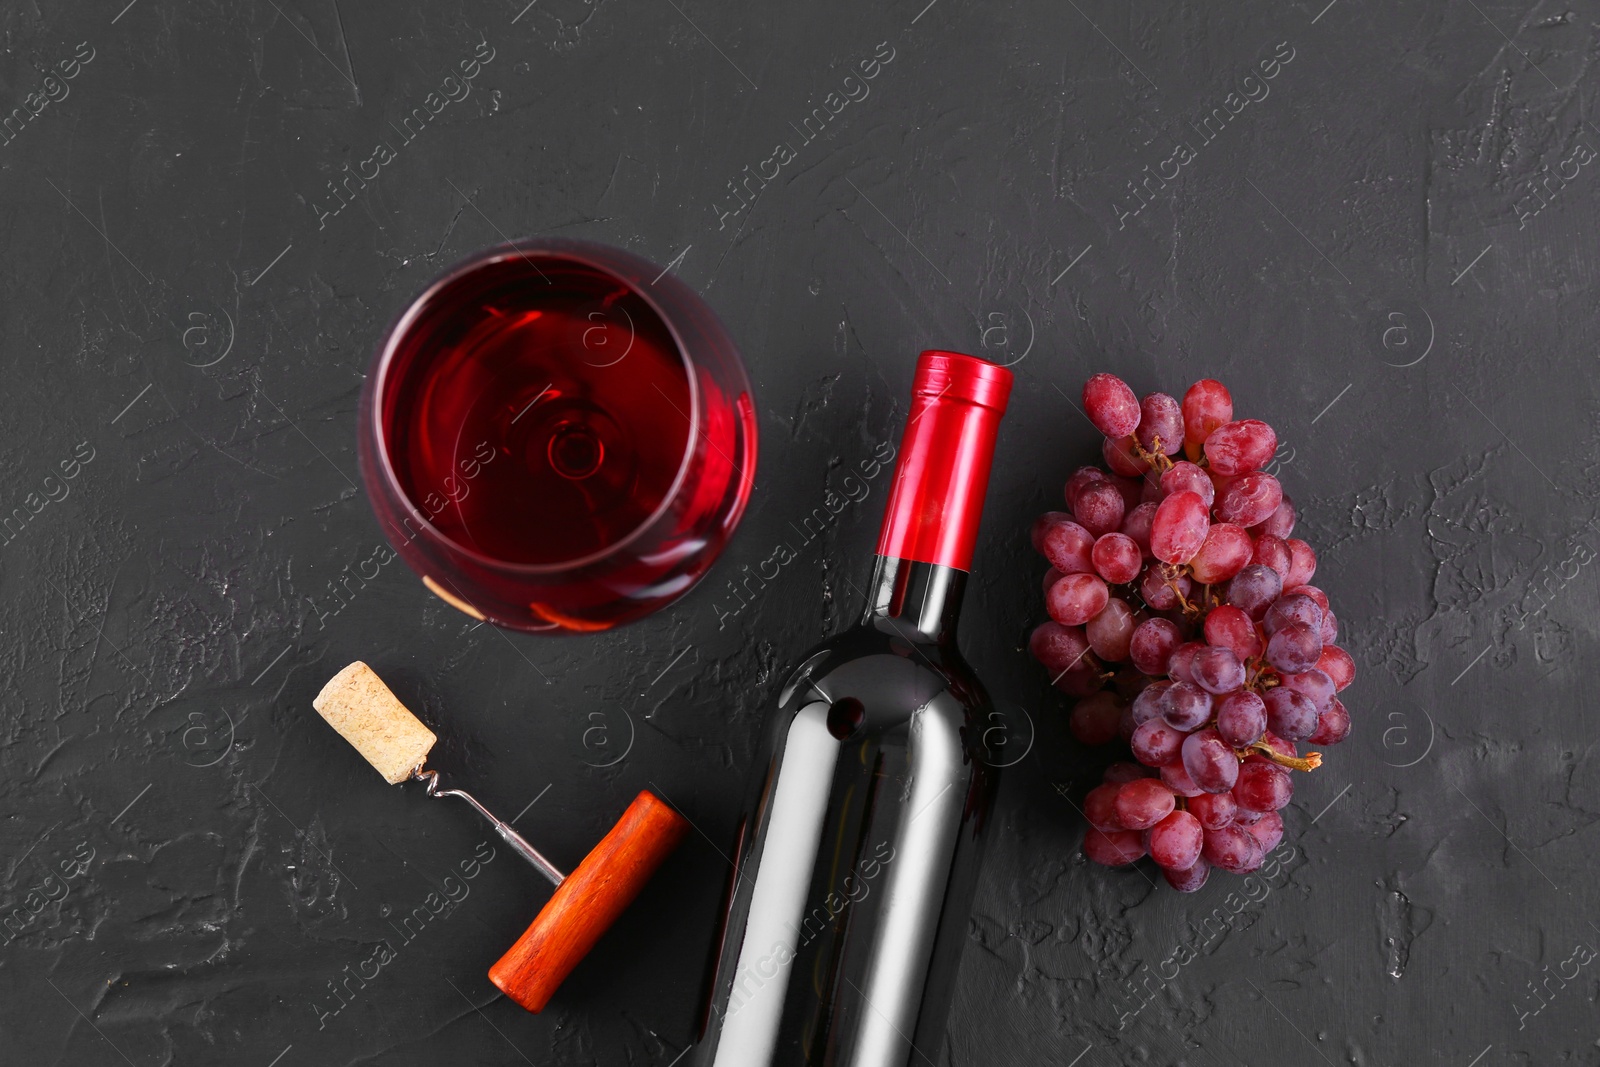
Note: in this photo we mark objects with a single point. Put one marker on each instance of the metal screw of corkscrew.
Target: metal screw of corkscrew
(510, 836)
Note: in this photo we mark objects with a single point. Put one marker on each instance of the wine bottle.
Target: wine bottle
(858, 853)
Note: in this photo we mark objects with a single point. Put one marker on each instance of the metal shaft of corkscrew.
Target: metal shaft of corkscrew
(517, 842)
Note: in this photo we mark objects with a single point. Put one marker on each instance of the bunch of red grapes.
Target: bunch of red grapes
(1183, 618)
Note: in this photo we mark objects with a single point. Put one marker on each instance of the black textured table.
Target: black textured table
(1375, 222)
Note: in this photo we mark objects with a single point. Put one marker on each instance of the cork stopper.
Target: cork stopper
(358, 705)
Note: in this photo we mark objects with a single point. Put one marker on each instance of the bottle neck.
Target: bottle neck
(919, 601)
(942, 472)
(931, 521)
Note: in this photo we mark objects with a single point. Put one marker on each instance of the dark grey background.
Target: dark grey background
(1356, 255)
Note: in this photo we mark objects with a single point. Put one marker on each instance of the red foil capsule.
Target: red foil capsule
(942, 474)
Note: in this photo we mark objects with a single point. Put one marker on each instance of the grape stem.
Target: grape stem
(1175, 571)
(1310, 762)
(1261, 677)
(1157, 458)
(1188, 608)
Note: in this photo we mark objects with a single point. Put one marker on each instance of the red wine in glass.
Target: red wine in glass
(558, 436)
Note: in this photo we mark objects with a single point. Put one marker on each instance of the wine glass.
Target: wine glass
(558, 436)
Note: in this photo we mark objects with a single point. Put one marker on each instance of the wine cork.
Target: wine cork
(358, 705)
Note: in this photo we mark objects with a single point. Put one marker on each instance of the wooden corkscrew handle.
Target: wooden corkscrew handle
(588, 901)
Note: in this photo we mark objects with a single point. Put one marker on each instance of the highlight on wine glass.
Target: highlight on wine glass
(558, 436)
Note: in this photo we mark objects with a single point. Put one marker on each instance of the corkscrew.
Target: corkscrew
(364, 711)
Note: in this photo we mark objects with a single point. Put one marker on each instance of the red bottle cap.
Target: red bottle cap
(942, 472)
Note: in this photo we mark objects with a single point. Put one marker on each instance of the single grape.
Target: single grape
(1058, 647)
(1148, 704)
(1224, 553)
(1150, 491)
(1099, 508)
(1268, 830)
(1129, 681)
(1209, 761)
(1190, 476)
(1064, 543)
(1161, 418)
(1180, 666)
(1098, 808)
(1111, 631)
(1206, 406)
(1155, 743)
(1177, 779)
(1122, 459)
(1219, 482)
(1161, 592)
(1178, 617)
(1175, 841)
(1272, 552)
(1051, 576)
(1244, 817)
(1217, 670)
(1330, 628)
(1314, 685)
(1142, 804)
(1281, 522)
(1080, 681)
(1229, 627)
(1290, 714)
(1093, 720)
(1116, 558)
(1241, 446)
(1333, 725)
(1115, 849)
(1295, 647)
(1257, 857)
(1081, 478)
(1336, 663)
(1214, 810)
(1231, 848)
(1111, 405)
(1037, 528)
(1250, 499)
(1136, 524)
(1191, 880)
(1123, 771)
(1311, 591)
(1254, 589)
(1292, 607)
(1152, 644)
(1241, 718)
(1179, 527)
(1132, 490)
(1262, 787)
(1077, 598)
(1185, 706)
(1302, 563)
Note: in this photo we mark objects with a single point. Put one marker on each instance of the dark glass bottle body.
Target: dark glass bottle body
(857, 863)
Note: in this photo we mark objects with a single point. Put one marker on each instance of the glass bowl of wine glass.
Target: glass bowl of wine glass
(558, 436)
